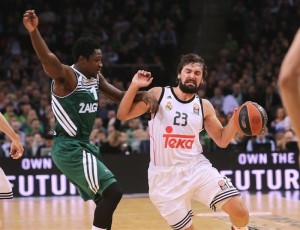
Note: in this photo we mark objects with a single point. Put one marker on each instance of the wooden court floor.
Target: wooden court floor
(272, 211)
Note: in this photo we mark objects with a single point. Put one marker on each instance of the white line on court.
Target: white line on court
(218, 214)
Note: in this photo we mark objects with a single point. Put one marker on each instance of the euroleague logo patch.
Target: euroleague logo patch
(225, 183)
(196, 109)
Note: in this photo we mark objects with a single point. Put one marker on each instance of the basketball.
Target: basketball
(251, 118)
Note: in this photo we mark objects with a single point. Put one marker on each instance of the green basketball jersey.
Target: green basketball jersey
(75, 113)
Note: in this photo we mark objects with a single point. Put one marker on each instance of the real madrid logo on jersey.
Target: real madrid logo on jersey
(196, 109)
(168, 106)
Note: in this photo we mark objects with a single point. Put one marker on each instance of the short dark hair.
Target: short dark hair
(84, 46)
(191, 58)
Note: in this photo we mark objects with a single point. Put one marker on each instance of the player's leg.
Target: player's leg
(97, 200)
(106, 206)
(5, 187)
(217, 192)
(169, 192)
(237, 212)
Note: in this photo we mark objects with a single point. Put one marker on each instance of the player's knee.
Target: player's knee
(237, 211)
(242, 216)
(114, 193)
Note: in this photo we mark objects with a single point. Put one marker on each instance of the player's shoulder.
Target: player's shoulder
(207, 106)
(206, 102)
(156, 91)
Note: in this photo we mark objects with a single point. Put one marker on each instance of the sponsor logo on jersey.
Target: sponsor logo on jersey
(88, 107)
(176, 141)
(196, 109)
(168, 106)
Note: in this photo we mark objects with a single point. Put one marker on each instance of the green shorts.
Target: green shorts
(79, 162)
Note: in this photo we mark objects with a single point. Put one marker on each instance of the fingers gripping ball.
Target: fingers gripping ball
(251, 118)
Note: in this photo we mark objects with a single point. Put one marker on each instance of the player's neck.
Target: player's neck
(183, 96)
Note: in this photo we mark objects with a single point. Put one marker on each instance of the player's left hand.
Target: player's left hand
(16, 150)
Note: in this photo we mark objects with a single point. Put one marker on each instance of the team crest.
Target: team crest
(196, 109)
(169, 106)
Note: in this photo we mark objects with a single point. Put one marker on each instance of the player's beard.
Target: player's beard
(186, 88)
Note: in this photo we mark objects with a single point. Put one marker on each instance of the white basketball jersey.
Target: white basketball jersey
(174, 130)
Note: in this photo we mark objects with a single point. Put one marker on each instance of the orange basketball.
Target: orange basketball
(251, 118)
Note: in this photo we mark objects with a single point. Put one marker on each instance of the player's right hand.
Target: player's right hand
(30, 20)
(142, 79)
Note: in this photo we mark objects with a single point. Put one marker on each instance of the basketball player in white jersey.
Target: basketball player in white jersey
(16, 151)
(178, 171)
(288, 82)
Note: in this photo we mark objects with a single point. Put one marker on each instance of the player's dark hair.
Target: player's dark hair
(84, 46)
(191, 58)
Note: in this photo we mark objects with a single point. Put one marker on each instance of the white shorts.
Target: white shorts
(5, 187)
(172, 188)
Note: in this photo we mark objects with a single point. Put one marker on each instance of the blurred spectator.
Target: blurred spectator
(116, 143)
(136, 133)
(262, 142)
(238, 93)
(289, 142)
(44, 149)
(271, 100)
(98, 137)
(34, 127)
(16, 126)
(37, 141)
(229, 104)
(277, 126)
(217, 99)
(230, 43)
(238, 143)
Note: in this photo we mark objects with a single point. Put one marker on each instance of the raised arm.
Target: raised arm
(109, 90)
(16, 148)
(51, 65)
(127, 108)
(220, 135)
(289, 83)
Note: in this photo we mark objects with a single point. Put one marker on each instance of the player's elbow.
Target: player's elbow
(121, 116)
(222, 145)
(287, 81)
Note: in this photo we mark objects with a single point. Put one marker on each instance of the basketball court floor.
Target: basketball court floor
(272, 211)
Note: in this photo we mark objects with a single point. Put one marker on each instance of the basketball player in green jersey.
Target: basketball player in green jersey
(75, 92)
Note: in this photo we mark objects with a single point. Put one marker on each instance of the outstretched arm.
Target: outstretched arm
(52, 66)
(127, 108)
(116, 95)
(289, 83)
(16, 148)
(109, 90)
(220, 135)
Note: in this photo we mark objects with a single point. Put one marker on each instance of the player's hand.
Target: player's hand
(142, 79)
(16, 149)
(30, 20)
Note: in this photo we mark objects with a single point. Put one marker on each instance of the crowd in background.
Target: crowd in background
(139, 34)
